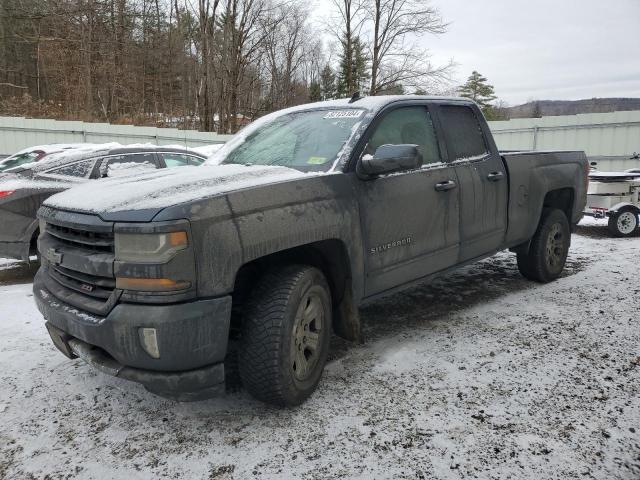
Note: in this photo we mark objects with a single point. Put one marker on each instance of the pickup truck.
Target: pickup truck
(166, 277)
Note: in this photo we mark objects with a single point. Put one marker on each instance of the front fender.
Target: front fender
(242, 226)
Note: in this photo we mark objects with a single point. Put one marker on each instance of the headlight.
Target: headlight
(149, 247)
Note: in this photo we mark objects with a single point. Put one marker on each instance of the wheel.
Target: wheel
(285, 335)
(549, 248)
(624, 222)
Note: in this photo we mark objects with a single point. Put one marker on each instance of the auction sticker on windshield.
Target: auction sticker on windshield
(344, 114)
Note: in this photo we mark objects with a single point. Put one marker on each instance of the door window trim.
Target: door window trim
(362, 142)
(463, 161)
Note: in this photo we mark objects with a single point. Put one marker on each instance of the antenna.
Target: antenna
(355, 97)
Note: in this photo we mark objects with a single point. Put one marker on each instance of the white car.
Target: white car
(35, 154)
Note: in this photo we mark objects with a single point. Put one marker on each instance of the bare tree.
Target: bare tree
(393, 60)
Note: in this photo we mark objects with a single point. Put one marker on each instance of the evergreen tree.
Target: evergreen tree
(357, 67)
(537, 111)
(328, 83)
(478, 90)
(315, 92)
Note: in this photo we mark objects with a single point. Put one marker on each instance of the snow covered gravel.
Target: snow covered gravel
(481, 374)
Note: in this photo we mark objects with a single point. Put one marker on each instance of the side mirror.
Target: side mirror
(390, 158)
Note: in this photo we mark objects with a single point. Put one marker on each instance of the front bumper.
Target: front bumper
(192, 341)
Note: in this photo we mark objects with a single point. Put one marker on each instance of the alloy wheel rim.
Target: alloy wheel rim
(555, 246)
(305, 342)
(627, 223)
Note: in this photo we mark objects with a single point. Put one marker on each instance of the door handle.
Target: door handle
(444, 186)
(495, 176)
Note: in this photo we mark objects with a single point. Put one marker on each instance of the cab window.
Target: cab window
(465, 139)
(407, 125)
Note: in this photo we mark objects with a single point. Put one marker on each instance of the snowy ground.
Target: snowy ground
(479, 375)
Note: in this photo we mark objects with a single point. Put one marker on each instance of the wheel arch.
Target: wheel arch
(331, 257)
(619, 206)
(562, 199)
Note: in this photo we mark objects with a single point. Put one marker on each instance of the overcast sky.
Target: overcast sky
(543, 49)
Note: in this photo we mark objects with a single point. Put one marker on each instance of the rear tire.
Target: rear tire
(286, 330)
(549, 248)
(624, 222)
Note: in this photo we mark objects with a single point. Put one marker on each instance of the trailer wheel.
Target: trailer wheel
(547, 254)
(285, 335)
(623, 222)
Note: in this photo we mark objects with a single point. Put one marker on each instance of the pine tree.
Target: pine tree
(478, 90)
(536, 111)
(315, 92)
(328, 83)
(358, 69)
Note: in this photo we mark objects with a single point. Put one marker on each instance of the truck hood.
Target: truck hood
(145, 195)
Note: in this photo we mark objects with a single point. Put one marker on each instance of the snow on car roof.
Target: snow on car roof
(90, 150)
(49, 148)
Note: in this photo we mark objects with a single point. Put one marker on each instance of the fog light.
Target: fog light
(149, 341)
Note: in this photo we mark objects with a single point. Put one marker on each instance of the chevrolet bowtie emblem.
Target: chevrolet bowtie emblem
(53, 256)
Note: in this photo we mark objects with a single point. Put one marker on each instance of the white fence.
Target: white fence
(608, 138)
(17, 133)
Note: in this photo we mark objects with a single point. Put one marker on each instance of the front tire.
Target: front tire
(285, 335)
(624, 222)
(549, 248)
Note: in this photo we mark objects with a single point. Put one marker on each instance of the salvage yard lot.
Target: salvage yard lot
(480, 374)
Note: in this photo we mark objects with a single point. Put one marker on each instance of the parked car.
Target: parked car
(314, 210)
(23, 188)
(616, 196)
(35, 154)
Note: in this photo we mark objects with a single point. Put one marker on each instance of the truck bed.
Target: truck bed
(531, 175)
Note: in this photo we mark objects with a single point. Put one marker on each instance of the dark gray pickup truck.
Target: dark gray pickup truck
(165, 277)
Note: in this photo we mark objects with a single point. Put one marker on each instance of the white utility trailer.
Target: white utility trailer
(615, 195)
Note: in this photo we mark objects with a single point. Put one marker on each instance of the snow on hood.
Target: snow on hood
(167, 187)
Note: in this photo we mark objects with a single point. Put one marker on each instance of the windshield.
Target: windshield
(19, 159)
(309, 140)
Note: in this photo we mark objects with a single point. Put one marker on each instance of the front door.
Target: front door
(482, 180)
(409, 219)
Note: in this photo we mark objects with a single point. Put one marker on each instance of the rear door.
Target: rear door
(482, 180)
(409, 219)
